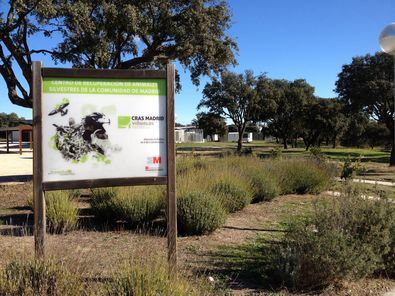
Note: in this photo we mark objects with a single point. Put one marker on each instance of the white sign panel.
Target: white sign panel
(94, 128)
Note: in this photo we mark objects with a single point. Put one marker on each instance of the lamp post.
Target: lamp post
(387, 44)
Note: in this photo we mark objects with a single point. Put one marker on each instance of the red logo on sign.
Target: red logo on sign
(156, 160)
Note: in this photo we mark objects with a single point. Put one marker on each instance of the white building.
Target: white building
(234, 137)
(185, 134)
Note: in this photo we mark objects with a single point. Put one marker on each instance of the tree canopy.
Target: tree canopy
(10, 120)
(233, 96)
(114, 34)
(282, 104)
(211, 124)
(366, 84)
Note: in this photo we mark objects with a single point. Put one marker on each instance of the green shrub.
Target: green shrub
(34, 277)
(105, 192)
(61, 211)
(352, 168)
(347, 238)
(232, 194)
(149, 277)
(317, 154)
(187, 163)
(101, 203)
(301, 176)
(264, 186)
(134, 205)
(276, 153)
(199, 212)
(73, 194)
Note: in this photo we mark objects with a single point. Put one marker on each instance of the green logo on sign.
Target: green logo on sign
(124, 122)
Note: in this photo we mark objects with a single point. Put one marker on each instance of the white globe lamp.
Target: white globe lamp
(387, 39)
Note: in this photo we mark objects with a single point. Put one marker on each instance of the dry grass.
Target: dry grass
(96, 255)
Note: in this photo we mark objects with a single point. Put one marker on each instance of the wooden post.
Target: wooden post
(38, 194)
(171, 174)
(30, 139)
(20, 141)
(8, 141)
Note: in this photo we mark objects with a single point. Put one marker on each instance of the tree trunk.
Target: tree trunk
(285, 143)
(392, 157)
(240, 140)
(334, 141)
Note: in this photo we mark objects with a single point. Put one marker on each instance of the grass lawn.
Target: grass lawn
(228, 145)
(263, 149)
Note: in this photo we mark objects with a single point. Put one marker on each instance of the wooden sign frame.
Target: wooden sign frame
(39, 187)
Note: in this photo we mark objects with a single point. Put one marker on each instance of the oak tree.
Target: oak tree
(233, 96)
(367, 85)
(120, 34)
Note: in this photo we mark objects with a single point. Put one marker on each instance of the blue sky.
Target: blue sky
(288, 39)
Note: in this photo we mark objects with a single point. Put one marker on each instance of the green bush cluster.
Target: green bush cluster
(301, 176)
(236, 181)
(187, 163)
(264, 186)
(209, 188)
(199, 212)
(347, 238)
(133, 205)
(101, 203)
(37, 277)
(61, 211)
(233, 195)
(352, 168)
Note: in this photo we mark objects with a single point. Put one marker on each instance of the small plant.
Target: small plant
(301, 176)
(276, 153)
(75, 193)
(264, 186)
(316, 153)
(101, 203)
(35, 277)
(199, 212)
(149, 277)
(232, 194)
(138, 205)
(133, 205)
(61, 211)
(350, 168)
(247, 152)
(347, 238)
(185, 164)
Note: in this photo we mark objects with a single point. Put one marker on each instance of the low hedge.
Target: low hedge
(134, 205)
(61, 211)
(199, 212)
(232, 194)
(264, 186)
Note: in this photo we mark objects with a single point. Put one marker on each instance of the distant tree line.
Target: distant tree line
(362, 115)
(10, 120)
